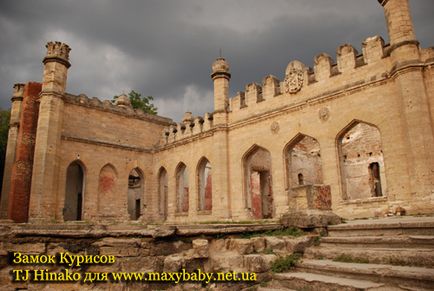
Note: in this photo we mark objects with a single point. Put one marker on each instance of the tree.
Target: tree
(4, 130)
(139, 102)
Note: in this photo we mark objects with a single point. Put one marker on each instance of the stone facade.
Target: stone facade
(356, 135)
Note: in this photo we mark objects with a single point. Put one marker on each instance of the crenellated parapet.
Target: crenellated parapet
(189, 127)
(299, 78)
(253, 93)
(270, 87)
(120, 107)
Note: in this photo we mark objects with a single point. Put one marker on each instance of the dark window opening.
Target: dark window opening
(300, 179)
(375, 180)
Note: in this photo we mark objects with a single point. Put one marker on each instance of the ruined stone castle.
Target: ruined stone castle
(354, 136)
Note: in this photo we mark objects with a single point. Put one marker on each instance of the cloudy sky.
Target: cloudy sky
(164, 48)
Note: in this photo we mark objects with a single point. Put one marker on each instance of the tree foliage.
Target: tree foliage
(4, 130)
(141, 102)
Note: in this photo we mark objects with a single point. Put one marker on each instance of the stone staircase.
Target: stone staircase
(378, 254)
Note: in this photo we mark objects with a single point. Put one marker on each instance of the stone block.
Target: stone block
(241, 246)
(258, 244)
(173, 263)
(200, 248)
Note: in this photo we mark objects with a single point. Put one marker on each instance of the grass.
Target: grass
(292, 231)
(350, 259)
(286, 263)
(268, 251)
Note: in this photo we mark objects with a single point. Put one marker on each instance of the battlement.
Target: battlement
(190, 126)
(298, 81)
(108, 106)
(299, 78)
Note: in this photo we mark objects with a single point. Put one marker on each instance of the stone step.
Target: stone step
(400, 241)
(311, 281)
(423, 226)
(392, 256)
(414, 277)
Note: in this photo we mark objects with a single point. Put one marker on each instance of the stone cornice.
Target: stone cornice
(62, 61)
(326, 96)
(402, 43)
(221, 75)
(88, 103)
(106, 144)
(50, 93)
(399, 67)
(16, 98)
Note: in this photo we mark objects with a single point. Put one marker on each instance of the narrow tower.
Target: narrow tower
(46, 159)
(407, 74)
(14, 123)
(221, 76)
(399, 22)
(221, 185)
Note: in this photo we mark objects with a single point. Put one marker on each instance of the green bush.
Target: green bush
(285, 263)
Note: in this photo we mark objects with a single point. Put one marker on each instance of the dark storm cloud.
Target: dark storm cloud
(165, 48)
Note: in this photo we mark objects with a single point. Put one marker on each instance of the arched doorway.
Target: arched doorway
(257, 176)
(182, 188)
(73, 207)
(135, 193)
(361, 161)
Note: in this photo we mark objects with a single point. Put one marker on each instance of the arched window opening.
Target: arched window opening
(163, 193)
(205, 186)
(361, 162)
(303, 162)
(300, 179)
(182, 189)
(73, 207)
(135, 193)
(375, 179)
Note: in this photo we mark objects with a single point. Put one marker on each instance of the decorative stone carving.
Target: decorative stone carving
(324, 114)
(275, 127)
(58, 49)
(294, 77)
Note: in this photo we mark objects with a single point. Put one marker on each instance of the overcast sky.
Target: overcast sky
(165, 48)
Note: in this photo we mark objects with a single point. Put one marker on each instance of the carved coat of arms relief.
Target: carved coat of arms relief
(294, 77)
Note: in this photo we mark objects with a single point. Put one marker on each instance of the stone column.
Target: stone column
(43, 200)
(21, 176)
(14, 125)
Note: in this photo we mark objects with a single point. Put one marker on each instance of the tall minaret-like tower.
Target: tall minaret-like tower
(407, 74)
(221, 76)
(46, 159)
(14, 123)
(221, 179)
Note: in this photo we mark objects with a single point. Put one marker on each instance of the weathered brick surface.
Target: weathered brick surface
(21, 177)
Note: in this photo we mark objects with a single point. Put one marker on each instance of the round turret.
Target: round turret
(220, 68)
(58, 52)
